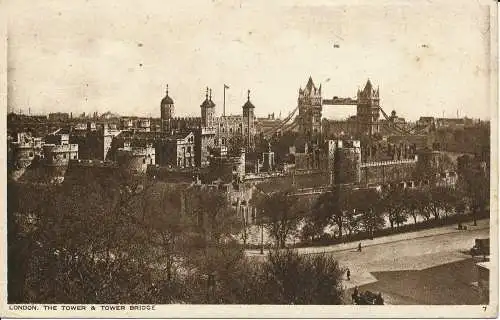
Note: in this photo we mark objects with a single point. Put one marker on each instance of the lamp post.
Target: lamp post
(261, 234)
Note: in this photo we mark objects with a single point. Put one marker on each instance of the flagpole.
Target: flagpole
(224, 102)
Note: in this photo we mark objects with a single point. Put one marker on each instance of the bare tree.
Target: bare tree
(281, 214)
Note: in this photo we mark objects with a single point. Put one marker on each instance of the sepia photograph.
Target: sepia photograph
(163, 157)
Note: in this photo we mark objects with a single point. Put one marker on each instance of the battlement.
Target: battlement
(186, 119)
(62, 148)
(389, 162)
(137, 151)
(92, 163)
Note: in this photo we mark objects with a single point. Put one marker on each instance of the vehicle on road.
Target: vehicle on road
(481, 247)
(368, 297)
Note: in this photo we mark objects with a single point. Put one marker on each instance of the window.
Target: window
(216, 142)
(31, 154)
(223, 141)
(189, 149)
(231, 130)
(144, 161)
(64, 155)
(74, 157)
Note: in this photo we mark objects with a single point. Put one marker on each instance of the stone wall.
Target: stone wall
(387, 171)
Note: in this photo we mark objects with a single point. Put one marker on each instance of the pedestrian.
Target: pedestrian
(379, 300)
(359, 247)
(348, 274)
(355, 295)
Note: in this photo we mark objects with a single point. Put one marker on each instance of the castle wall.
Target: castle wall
(387, 171)
(81, 170)
(204, 141)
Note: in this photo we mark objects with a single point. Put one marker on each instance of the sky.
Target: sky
(90, 55)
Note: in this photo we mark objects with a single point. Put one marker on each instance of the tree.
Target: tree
(441, 199)
(395, 207)
(290, 278)
(77, 249)
(372, 211)
(281, 213)
(330, 208)
(312, 229)
(414, 200)
(474, 183)
(353, 209)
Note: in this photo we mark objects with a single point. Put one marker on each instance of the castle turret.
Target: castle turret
(167, 112)
(249, 123)
(347, 162)
(208, 111)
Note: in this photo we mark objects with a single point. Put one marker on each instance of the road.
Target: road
(435, 269)
(430, 266)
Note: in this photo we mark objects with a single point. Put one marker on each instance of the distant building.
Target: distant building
(450, 122)
(179, 151)
(426, 122)
(94, 142)
(59, 116)
(135, 159)
(226, 168)
(211, 131)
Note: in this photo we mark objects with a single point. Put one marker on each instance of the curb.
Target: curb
(395, 241)
(382, 243)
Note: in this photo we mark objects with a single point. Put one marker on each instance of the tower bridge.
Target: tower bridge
(310, 105)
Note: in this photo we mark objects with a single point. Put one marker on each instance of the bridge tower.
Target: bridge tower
(368, 110)
(310, 107)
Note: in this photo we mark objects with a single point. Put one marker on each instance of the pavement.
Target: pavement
(481, 225)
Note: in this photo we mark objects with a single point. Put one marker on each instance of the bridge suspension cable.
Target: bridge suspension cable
(282, 123)
(411, 131)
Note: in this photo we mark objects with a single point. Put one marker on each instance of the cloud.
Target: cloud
(84, 55)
